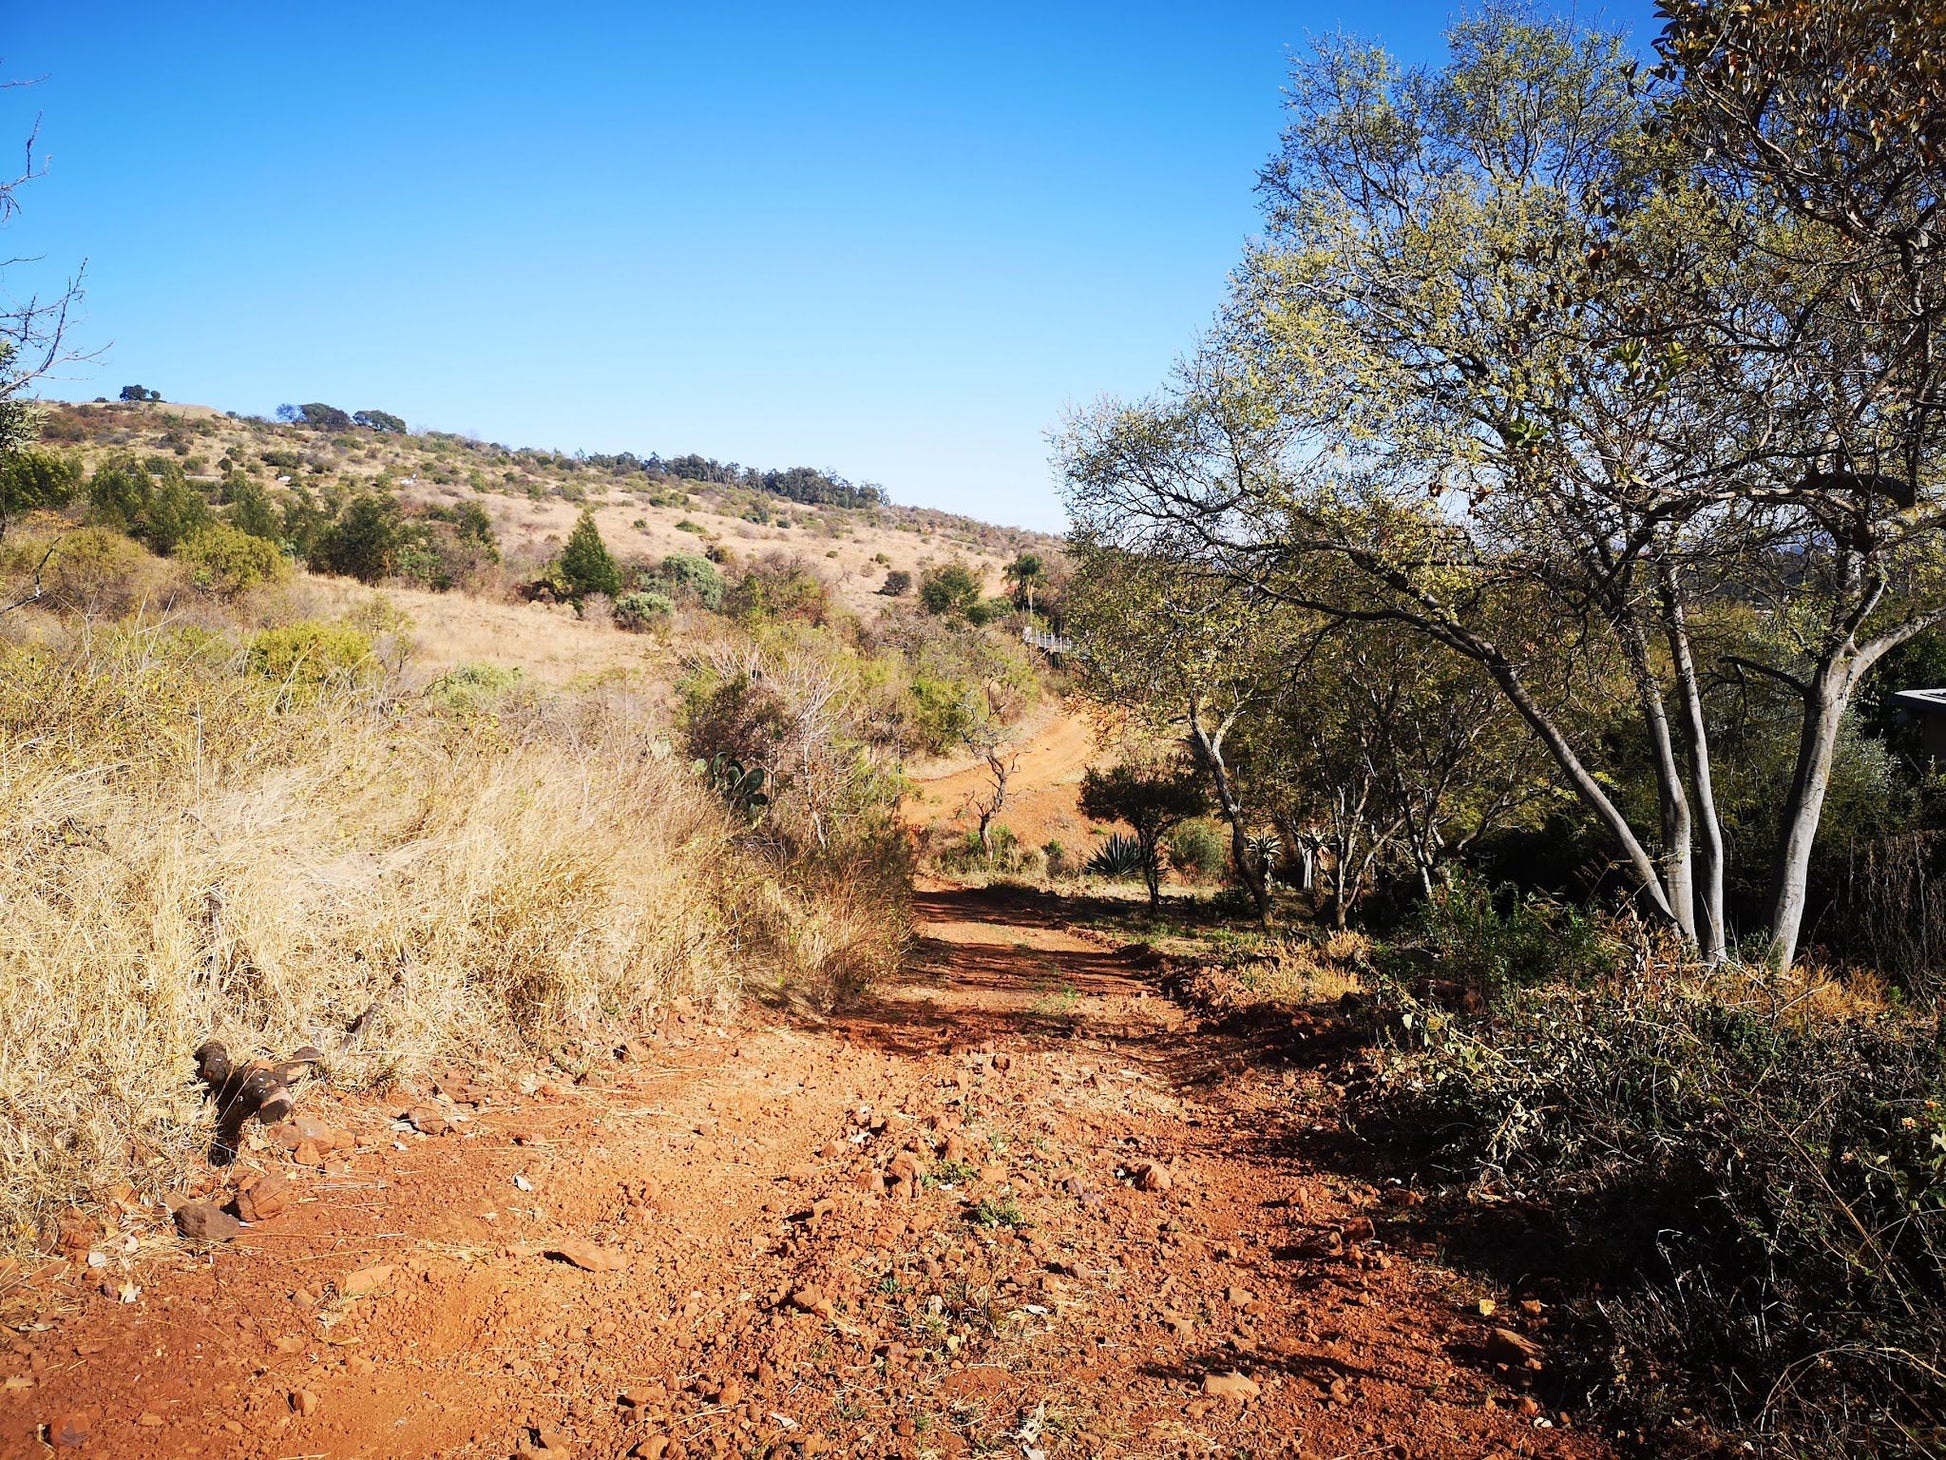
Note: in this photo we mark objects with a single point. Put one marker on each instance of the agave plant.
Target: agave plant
(1119, 856)
(1266, 850)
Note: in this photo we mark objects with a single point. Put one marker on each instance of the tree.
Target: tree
(1188, 651)
(1821, 134)
(140, 393)
(150, 501)
(381, 421)
(364, 542)
(1152, 799)
(1435, 402)
(586, 565)
(324, 417)
(897, 583)
(949, 589)
(1028, 574)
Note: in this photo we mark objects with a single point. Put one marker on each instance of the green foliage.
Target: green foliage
(744, 789)
(780, 587)
(897, 583)
(226, 561)
(585, 565)
(997, 1211)
(1118, 857)
(694, 579)
(381, 421)
(365, 541)
(642, 609)
(308, 656)
(949, 589)
(250, 508)
(467, 689)
(150, 501)
(36, 481)
(1494, 943)
(1196, 849)
(1152, 799)
(133, 393)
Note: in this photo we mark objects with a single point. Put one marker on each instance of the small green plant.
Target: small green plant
(950, 1173)
(997, 1211)
(1118, 858)
(745, 789)
(642, 610)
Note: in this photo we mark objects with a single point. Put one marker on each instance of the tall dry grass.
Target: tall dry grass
(191, 847)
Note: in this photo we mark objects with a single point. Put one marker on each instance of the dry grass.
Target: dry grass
(188, 848)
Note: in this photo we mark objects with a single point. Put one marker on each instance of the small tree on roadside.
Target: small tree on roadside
(1152, 799)
(586, 566)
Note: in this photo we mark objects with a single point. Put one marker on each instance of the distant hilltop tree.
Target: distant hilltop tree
(381, 421)
(140, 393)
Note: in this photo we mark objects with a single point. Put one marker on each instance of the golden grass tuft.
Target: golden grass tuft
(188, 849)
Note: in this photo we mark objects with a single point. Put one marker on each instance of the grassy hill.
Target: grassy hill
(533, 496)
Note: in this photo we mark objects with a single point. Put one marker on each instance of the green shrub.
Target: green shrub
(97, 572)
(642, 610)
(688, 576)
(470, 688)
(950, 588)
(227, 561)
(1196, 849)
(1490, 943)
(308, 656)
(1117, 858)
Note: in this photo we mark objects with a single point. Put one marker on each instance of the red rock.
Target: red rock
(263, 1198)
(70, 1431)
(429, 1120)
(1152, 1176)
(148, 1419)
(1505, 1346)
(308, 1154)
(588, 1255)
(1240, 1297)
(872, 1181)
(1233, 1385)
(305, 1403)
(200, 1221)
(366, 1280)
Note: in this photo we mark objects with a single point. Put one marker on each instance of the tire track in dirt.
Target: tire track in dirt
(1021, 1294)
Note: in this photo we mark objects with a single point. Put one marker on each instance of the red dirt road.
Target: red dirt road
(1024, 1296)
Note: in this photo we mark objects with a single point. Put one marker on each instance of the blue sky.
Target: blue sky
(894, 241)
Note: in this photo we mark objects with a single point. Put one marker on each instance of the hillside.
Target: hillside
(533, 496)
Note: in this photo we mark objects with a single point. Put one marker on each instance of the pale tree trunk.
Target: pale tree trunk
(1209, 749)
(1678, 882)
(1713, 925)
(1825, 700)
(1827, 693)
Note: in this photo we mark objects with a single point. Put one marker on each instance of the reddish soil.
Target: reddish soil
(755, 1294)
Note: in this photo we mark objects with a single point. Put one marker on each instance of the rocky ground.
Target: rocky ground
(1021, 1203)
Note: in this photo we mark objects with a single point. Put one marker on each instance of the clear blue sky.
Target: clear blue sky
(895, 241)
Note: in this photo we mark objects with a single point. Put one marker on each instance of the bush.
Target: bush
(188, 851)
(363, 543)
(309, 656)
(1759, 1199)
(949, 589)
(1117, 858)
(780, 587)
(897, 584)
(686, 576)
(1489, 944)
(1196, 849)
(95, 572)
(150, 501)
(640, 611)
(226, 561)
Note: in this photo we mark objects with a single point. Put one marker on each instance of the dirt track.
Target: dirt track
(1024, 1296)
